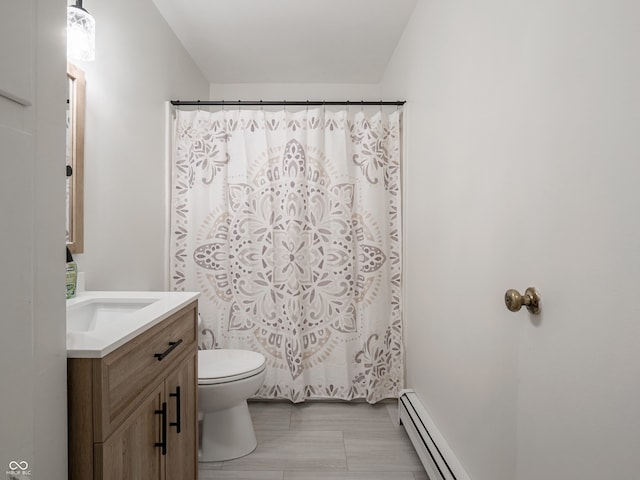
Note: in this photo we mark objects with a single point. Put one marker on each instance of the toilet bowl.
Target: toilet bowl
(226, 379)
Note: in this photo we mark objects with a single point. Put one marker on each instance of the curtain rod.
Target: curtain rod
(267, 103)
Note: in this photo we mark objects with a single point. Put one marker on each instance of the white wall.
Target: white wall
(294, 91)
(32, 152)
(522, 150)
(139, 65)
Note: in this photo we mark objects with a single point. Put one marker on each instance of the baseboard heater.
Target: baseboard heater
(438, 459)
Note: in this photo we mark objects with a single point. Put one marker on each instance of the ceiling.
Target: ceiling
(289, 41)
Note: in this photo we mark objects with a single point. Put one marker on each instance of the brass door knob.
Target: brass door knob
(531, 299)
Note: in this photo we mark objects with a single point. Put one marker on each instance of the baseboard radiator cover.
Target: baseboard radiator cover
(438, 459)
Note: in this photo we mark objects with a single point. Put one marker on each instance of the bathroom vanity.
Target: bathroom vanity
(132, 386)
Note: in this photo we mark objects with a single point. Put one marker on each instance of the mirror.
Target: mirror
(75, 158)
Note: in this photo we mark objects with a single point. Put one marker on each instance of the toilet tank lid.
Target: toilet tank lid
(223, 363)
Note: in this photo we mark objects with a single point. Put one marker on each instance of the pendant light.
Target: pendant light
(81, 33)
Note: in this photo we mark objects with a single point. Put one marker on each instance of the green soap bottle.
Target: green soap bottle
(72, 275)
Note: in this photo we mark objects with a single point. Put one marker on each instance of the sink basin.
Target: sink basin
(97, 313)
(98, 322)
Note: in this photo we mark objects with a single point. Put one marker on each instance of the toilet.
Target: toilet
(226, 379)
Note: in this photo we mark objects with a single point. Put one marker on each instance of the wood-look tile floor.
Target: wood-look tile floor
(323, 441)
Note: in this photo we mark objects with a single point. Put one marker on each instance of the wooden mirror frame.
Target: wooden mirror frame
(75, 159)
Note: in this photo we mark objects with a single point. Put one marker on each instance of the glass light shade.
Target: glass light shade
(81, 34)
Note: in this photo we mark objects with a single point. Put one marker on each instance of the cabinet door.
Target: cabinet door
(182, 447)
(131, 452)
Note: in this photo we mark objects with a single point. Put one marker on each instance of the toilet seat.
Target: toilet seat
(228, 365)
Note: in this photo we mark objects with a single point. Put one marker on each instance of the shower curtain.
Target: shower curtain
(288, 223)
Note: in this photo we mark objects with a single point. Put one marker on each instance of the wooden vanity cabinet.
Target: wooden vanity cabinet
(133, 415)
(182, 457)
(128, 452)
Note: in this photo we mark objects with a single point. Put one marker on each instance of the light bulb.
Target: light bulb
(81, 34)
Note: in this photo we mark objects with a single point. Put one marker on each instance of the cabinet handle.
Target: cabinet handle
(172, 345)
(177, 422)
(163, 442)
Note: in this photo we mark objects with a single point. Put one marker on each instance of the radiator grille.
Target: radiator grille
(437, 458)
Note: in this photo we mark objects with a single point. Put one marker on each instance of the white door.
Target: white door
(523, 169)
(17, 34)
(578, 414)
(32, 319)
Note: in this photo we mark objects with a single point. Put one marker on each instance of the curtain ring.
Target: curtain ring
(261, 106)
(198, 107)
(361, 105)
(223, 105)
(307, 105)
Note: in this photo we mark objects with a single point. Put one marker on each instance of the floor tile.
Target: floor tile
(392, 410)
(348, 476)
(323, 441)
(420, 476)
(294, 450)
(270, 415)
(209, 465)
(243, 475)
(340, 416)
(384, 451)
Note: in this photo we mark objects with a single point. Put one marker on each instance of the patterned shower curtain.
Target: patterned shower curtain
(288, 223)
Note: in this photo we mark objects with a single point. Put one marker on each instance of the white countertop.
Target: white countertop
(100, 342)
